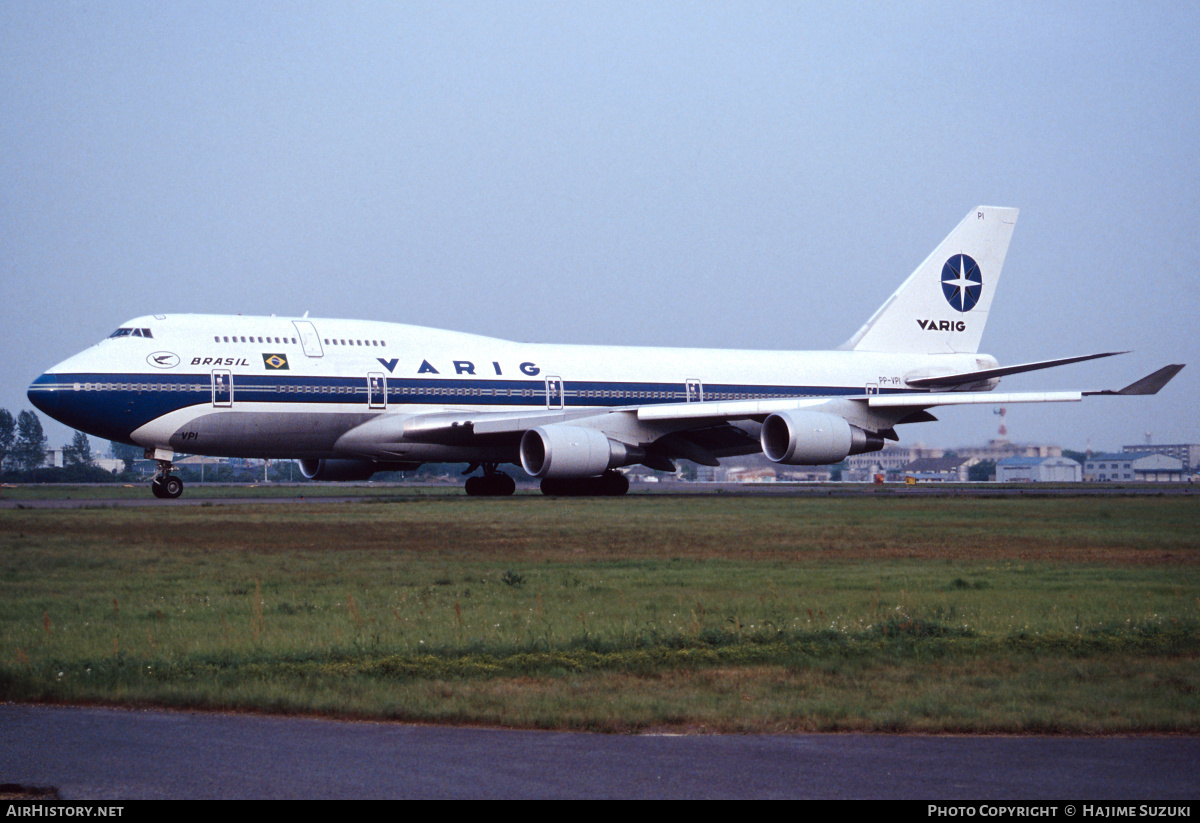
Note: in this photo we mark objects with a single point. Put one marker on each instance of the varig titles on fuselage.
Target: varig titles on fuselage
(464, 367)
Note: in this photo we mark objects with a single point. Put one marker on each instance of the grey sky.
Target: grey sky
(756, 175)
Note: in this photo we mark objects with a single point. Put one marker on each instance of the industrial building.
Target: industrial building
(1187, 453)
(1133, 467)
(894, 460)
(1038, 470)
(939, 469)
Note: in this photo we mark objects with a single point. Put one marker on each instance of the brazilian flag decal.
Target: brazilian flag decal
(275, 362)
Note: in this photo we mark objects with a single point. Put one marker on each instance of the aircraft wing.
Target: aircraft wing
(1150, 384)
(699, 440)
(697, 431)
(950, 380)
(751, 409)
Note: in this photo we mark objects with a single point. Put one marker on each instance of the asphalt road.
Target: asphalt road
(292, 494)
(119, 754)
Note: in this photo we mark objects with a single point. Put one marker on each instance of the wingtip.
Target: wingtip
(1151, 383)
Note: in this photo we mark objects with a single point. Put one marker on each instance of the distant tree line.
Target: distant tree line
(23, 447)
(23, 444)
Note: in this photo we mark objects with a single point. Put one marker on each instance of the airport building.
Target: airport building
(1133, 467)
(862, 468)
(57, 459)
(751, 475)
(998, 449)
(940, 469)
(805, 474)
(894, 460)
(1187, 453)
(1038, 470)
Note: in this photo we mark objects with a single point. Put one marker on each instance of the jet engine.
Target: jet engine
(806, 438)
(573, 451)
(347, 470)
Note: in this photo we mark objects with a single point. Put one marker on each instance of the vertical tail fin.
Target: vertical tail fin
(944, 304)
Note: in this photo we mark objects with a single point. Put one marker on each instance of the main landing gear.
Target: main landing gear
(492, 483)
(165, 484)
(610, 484)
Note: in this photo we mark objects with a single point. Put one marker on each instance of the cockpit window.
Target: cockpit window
(131, 333)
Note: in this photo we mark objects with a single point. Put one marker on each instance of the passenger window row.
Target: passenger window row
(337, 342)
(407, 390)
(252, 339)
(142, 387)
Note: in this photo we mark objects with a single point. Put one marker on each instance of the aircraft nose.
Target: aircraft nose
(59, 397)
(46, 396)
(62, 397)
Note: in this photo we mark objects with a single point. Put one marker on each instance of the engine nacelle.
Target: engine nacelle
(572, 451)
(806, 438)
(347, 470)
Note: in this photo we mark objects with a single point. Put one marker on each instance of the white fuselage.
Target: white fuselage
(291, 388)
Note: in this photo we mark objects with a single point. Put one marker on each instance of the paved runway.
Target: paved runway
(354, 493)
(93, 753)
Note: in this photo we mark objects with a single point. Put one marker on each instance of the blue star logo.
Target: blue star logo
(962, 282)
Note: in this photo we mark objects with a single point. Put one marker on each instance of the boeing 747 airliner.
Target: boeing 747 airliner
(348, 398)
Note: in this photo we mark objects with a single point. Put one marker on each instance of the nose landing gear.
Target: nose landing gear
(165, 484)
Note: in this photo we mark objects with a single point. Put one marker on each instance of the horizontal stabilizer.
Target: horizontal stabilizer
(1150, 384)
(966, 378)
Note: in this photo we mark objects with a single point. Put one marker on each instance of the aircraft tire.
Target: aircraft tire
(172, 487)
(490, 485)
(556, 487)
(156, 486)
(609, 484)
(615, 483)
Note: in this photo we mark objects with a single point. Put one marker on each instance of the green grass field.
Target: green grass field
(220, 491)
(762, 613)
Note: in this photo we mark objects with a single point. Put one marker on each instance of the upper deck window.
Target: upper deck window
(131, 333)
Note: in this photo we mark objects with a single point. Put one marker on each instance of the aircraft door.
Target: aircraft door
(554, 393)
(309, 339)
(222, 388)
(695, 391)
(872, 388)
(377, 390)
